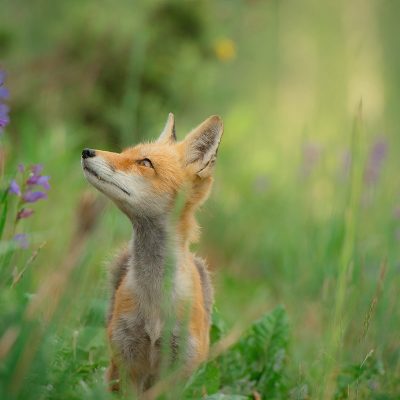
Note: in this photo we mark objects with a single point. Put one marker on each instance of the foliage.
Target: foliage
(256, 363)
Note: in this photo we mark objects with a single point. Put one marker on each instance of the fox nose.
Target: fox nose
(87, 153)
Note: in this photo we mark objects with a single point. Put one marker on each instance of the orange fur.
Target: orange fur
(167, 175)
(198, 325)
(124, 302)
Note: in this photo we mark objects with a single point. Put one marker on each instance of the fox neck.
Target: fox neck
(152, 258)
(158, 242)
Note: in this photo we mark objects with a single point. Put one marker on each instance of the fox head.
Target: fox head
(144, 180)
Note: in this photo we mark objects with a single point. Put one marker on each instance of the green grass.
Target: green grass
(304, 247)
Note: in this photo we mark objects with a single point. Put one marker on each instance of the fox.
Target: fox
(161, 292)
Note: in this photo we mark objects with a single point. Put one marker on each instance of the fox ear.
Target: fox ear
(201, 146)
(168, 133)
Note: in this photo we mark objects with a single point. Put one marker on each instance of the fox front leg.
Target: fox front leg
(113, 377)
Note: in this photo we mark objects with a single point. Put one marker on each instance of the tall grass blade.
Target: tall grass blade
(345, 261)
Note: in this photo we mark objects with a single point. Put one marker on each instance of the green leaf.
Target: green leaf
(3, 216)
(206, 380)
(360, 379)
(218, 327)
(257, 361)
(272, 380)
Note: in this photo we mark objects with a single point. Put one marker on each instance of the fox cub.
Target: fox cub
(161, 292)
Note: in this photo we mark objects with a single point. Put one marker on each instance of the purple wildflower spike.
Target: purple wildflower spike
(22, 240)
(14, 188)
(375, 161)
(32, 180)
(36, 179)
(4, 109)
(44, 182)
(33, 197)
(39, 180)
(4, 93)
(21, 168)
(24, 213)
(4, 118)
(37, 169)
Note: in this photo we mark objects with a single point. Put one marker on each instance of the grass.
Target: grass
(301, 231)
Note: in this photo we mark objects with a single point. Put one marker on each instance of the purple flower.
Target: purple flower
(14, 188)
(21, 168)
(44, 182)
(4, 93)
(36, 179)
(22, 240)
(375, 160)
(32, 180)
(39, 180)
(4, 118)
(36, 169)
(4, 110)
(32, 197)
(24, 213)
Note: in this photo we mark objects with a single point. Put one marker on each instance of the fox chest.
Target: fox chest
(139, 342)
(134, 341)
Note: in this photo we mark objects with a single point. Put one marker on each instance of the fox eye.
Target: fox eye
(145, 163)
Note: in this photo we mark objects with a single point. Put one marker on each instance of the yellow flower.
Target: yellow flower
(225, 49)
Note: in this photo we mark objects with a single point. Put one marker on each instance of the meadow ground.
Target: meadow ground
(301, 231)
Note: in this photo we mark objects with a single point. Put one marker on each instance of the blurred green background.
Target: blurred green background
(305, 210)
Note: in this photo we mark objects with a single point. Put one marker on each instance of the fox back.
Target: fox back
(161, 293)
